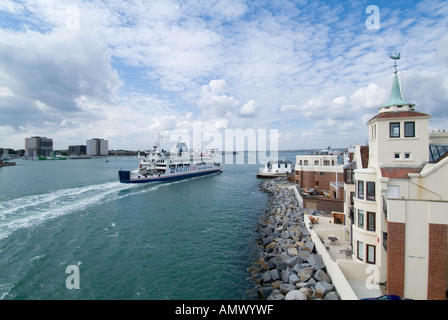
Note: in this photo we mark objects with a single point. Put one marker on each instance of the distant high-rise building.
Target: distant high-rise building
(38, 146)
(77, 150)
(97, 147)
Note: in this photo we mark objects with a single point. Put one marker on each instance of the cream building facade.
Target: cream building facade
(396, 202)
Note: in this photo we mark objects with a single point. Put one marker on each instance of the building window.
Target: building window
(407, 155)
(326, 163)
(370, 254)
(360, 251)
(316, 162)
(371, 191)
(397, 156)
(322, 174)
(371, 221)
(361, 219)
(360, 189)
(395, 129)
(409, 129)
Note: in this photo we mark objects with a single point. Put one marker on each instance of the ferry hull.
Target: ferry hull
(125, 176)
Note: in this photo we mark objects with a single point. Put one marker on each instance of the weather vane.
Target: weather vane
(395, 56)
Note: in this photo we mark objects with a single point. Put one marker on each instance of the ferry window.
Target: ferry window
(361, 219)
(371, 221)
(370, 254)
(371, 191)
(360, 189)
(395, 129)
(409, 129)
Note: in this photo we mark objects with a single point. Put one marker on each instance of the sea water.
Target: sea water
(185, 239)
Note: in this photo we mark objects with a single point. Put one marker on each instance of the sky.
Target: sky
(307, 74)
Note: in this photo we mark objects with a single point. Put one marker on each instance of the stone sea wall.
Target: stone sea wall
(289, 267)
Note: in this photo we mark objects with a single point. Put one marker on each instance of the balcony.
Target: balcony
(348, 274)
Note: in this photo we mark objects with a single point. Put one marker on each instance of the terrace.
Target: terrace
(353, 279)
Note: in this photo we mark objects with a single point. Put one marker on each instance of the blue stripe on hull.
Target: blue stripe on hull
(124, 179)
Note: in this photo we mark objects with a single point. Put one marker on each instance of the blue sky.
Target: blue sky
(126, 70)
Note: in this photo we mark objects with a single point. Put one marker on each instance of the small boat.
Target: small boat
(179, 163)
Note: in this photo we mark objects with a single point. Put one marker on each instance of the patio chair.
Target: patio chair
(348, 252)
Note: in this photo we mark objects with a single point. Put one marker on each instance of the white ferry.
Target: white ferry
(179, 163)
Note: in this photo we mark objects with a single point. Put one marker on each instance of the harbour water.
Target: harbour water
(186, 239)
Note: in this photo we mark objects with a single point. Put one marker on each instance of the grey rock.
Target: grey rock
(281, 265)
(274, 274)
(307, 291)
(305, 273)
(291, 262)
(266, 276)
(316, 261)
(324, 286)
(311, 282)
(304, 254)
(284, 235)
(265, 291)
(276, 295)
(286, 287)
(302, 284)
(293, 279)
(309, 244)
(295, 295)
(331, 296)
(321, 275)
(286, 273)
(267, 240)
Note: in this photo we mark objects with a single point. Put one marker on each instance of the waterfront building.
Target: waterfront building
(276, 168)
(77, 150)
(320, 180)
(97, 147)
(38, 146)
(322, 172)
(396, 201)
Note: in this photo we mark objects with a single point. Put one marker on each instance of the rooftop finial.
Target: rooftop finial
(395, 56)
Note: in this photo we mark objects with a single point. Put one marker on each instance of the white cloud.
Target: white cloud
(249, 109)
(369, 97)
(142, 67)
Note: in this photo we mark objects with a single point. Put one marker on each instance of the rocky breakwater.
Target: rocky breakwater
(288, 267)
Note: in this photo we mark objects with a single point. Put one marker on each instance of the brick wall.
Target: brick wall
(437, 261)
(323, 204)
(312, 179)
(395, 258)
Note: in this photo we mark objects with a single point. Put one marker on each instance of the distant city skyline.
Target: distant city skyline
(313, 70)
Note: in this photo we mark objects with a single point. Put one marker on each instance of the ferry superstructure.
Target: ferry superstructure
(179, 163)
